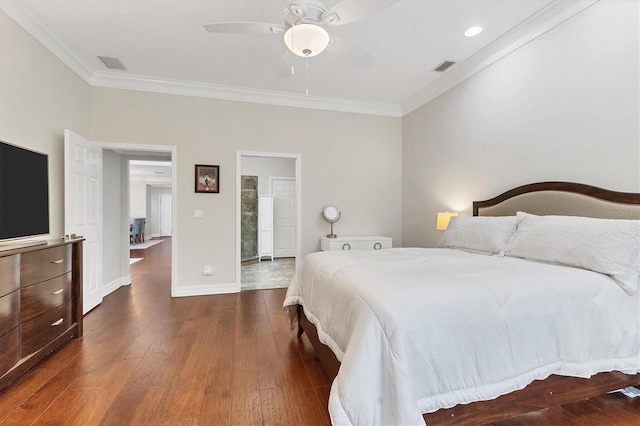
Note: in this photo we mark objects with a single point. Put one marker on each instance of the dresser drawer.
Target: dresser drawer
(376, 244)
(9, 312)
(9, 273)
(39, 298)
(10, 353)
(356, 242)
(345, 245)
(41, 330)
(41, 265)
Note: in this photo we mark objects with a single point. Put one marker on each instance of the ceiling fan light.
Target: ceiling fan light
(306, 40)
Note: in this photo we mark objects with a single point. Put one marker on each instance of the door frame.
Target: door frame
(174, 194)
(298, 179)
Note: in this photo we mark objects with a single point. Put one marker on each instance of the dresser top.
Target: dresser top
(13, 247)
(356, 238)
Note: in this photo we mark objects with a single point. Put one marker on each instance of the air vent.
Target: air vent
(444, 66)
(112, 63)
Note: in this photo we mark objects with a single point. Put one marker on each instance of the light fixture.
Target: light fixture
(473, 31)
(306, 40)
(442, 222)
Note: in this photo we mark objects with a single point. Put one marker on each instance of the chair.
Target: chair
(143, 225)
(136, 231)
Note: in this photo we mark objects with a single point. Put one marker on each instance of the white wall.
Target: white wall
(137, 200)
(115, 266)
(563, 107)
(268, 167)
(39, 98)
(353, 160)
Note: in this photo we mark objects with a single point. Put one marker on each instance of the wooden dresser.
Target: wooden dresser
(40, 303)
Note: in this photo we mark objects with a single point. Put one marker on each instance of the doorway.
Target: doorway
(267, 242)
(152, 185)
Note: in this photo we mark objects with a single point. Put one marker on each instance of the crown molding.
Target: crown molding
(553, 14)
(215, 91)
(550, 16)
(19, 12)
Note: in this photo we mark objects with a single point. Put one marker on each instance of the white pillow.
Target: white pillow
(479, 234)
(608, 246)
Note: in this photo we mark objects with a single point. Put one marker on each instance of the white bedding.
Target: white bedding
(417, 330)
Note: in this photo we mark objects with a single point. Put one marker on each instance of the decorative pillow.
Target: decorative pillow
(479, 234)
(608, 246)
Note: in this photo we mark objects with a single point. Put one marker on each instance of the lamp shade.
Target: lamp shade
(306, 40)
(442, 222)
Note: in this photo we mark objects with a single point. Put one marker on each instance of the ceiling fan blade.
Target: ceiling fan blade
(349, 10)
(350, 52)
(287, 64)
(245, 28)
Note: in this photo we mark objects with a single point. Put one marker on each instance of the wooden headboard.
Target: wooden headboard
(562, 198)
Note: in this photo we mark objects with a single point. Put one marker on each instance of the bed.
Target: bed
(494, 323)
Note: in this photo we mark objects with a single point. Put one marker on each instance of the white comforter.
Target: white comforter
(417, 330)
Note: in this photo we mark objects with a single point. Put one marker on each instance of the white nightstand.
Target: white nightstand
(355, 242)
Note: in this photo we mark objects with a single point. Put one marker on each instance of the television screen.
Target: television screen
(24, 192)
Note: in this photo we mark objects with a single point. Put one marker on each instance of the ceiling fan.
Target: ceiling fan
(304, 30)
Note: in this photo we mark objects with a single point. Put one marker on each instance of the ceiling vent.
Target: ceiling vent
(112, 63)
(444, 66)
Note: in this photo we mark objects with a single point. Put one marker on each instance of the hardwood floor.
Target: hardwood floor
(148, 359)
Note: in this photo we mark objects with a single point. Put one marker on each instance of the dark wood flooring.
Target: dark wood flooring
(149, 359)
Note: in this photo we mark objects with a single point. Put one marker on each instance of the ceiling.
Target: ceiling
(165, 48)
(154, 173)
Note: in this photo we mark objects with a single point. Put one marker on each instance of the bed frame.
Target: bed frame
(564, 198)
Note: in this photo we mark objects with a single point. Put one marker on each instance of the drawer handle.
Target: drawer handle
(57, 262)
(57, 323)
(58, 291)
(346, 246)
(377, 246)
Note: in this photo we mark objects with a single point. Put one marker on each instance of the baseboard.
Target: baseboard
(204, 290)
(193, 290)
(115, 284)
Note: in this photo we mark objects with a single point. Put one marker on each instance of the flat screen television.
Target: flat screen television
(24, 193)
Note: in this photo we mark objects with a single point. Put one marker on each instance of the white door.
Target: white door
(83, 210)
(165, 215)
(284, 217)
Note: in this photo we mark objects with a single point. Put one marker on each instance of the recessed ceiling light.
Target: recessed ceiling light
(473, 31)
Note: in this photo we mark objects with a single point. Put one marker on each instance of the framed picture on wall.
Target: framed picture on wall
(207, 178)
